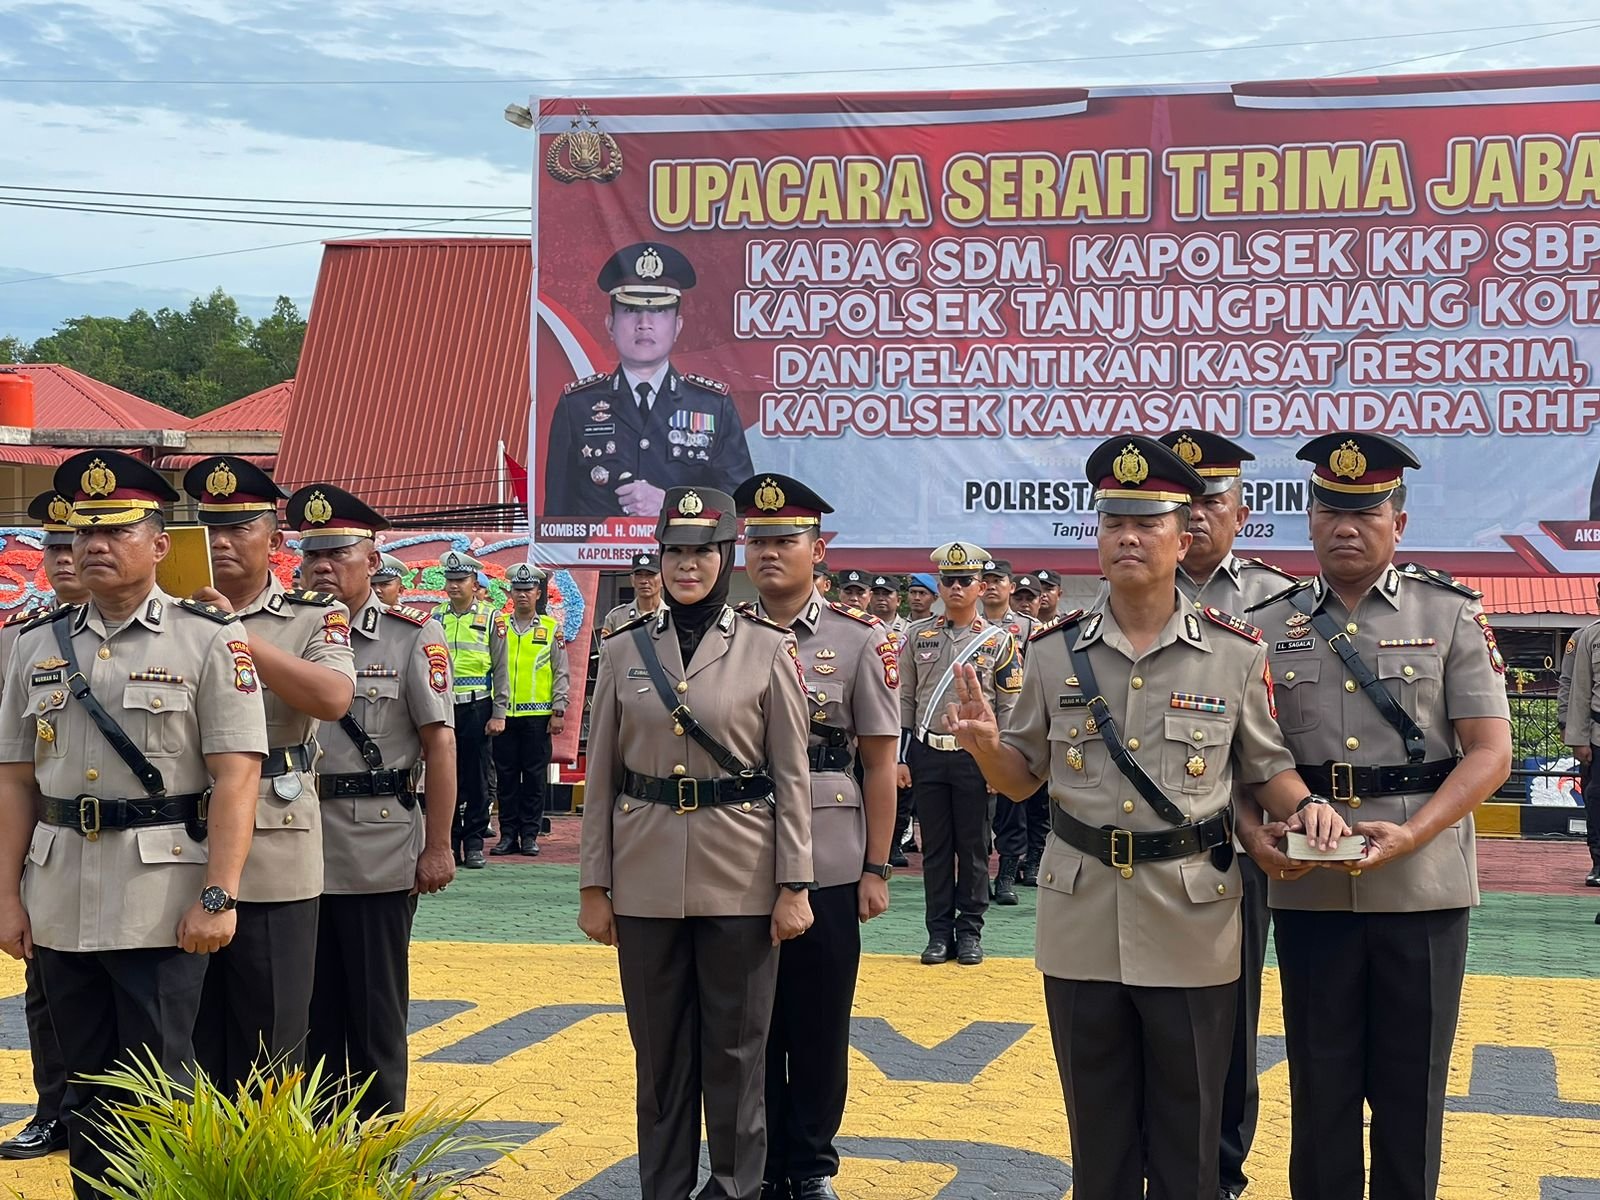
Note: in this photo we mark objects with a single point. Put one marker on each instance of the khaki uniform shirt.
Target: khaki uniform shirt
(1195, 709)
(370, 844)
(1431, 647)
(484, 617)
(1236, 586)
(742, 685)
(852, 682)
(622, 614)
(1578, 693)
(182, 685)
(10, 631)
(925, 655)
(285, 860)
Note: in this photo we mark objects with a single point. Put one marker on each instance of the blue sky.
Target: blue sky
(264, 122)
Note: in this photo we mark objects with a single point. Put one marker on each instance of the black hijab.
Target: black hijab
(691, 621)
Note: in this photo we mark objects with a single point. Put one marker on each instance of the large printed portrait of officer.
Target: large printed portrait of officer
(619, 439)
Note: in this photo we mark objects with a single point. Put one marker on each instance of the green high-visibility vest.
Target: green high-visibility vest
(532, 661)
(467, 636)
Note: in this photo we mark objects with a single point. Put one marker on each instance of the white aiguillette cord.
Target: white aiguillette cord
(950, 671)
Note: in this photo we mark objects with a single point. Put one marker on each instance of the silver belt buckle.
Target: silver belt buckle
(942, 741)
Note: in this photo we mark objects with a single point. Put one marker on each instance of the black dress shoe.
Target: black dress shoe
(938, 951)
(36, 1139)
(1593, 879)
(820, 1188)
(474, 860)
(969, 950)
(776, 1191)
(507, 846)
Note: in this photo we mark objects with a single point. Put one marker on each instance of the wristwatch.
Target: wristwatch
(1310, 800)
(882, 870)
(800, 887)
(216, 900)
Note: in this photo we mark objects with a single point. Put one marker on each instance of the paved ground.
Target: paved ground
(954, 1089)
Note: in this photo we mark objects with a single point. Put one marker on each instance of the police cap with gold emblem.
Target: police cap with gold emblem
(778, 506)
(1214, 458)
(1355, 471)
(646, 275)
(107, 487)
(696, 516)
(389, 567)
(959, 558)
(457, 565)
(524, 577)
(51, 509)
(1139, 477)
(328, 517)
(230, 491)
(646, 562)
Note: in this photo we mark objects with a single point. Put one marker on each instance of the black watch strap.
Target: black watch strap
(1310, 800)
(800, 887)
(882, 870)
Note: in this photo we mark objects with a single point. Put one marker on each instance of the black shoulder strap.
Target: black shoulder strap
(680, 713)
(1106, 726)
(149, 777)
(370, 754)
(1388, 707)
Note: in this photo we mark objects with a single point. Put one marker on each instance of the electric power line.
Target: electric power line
(1402, 62)
(17, 187)
(157, 214)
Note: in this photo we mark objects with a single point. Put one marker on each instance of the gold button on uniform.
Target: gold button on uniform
(1352, 628)
(372, 691)
(91, 774)
(1289, 675)
(1352, 743)
(626, 807)
(1356, 872)
(1050, 878)
(103, 652)
(838, 798)
(156, 703)
(1136, 682)
(1407, 672)
(1133, 743)
(1199, 735)
(1127, 872)
(1127, 806)
(678, 769)
(177, 849)
(288, 818)
(1355, 801)
(1349, 685)
(745, 806)
(384, 813)
(1070, 733)
(1222, 889)
(683, 686)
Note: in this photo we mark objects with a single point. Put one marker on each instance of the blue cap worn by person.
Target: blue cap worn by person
(926, 582)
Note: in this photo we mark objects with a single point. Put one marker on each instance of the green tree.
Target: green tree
(190, 360)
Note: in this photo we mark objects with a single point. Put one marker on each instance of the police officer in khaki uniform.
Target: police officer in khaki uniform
(883, 602)
(1392, 698)
(1140, 714)
(696, 854)
(383, 844)
(1033, 814)
(851, 679)
(258, 988)
(1211, 574)
(953, 804)
(475, 635)
(1577, 703)
(1044, 610)
(46, 1133)
(646, 580)
(388, 581)
(1010, 821)
(164, 831)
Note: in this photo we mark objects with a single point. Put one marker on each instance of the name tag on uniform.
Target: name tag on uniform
(638, 673)
(41, 678)
(541, 634)
(1073, 701)
(599, 430)
(1295, 644)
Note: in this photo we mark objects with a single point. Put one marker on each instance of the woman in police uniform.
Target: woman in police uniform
(696, 855)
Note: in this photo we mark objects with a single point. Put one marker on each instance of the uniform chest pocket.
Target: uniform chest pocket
(156, 716)
(1415, 678)
(1296, 694)
(377, 698)
(1077, 754)
(43, 719)
(170, 847)
(1194, 751)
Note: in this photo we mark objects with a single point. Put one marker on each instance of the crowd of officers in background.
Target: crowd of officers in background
(183, 873)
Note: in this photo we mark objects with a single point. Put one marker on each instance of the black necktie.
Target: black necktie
(644, 397)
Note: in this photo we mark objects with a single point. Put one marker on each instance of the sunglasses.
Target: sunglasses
(958, 580)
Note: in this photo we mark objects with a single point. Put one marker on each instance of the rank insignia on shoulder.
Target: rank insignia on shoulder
(1228, 621)
(316, 599)
(711, 385)
(1439, 579)
(220, 615)
(1060, 620)
(855, 614)
(20, 615)
(412, 616)
(586, 381)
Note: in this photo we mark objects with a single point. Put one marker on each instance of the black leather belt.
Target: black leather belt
(1122, 847)
(1345, 781)
(390, 781)
(686, 795)
(281, 760)
(89, 815)
(830, 758)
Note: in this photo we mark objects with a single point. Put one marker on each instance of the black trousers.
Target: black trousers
(808, 1050)
(361, 994)
(904, 810)
(1021, 829)
(1391, 984)
(522, 765)
(108, 1007)
(1038, 807)
(257, 999)
(1591, 812)
(698, 994)
(1141, 1072)
(471, 825)
(49, 1075)
(953, 807)
(1241, 1097)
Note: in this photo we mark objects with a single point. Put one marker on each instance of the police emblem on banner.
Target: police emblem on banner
(583, 152)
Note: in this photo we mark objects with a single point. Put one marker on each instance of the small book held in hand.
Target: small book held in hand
(1348, 850)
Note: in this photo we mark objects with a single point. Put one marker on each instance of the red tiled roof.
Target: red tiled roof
(1570, 595)
(182, 462)
(415, 364)
(263, 411)
(68, 399)
(34, 456)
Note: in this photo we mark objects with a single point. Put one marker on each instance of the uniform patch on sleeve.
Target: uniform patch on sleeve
(1495, 659)
(891, 664)
(799, 667)
(1266, 678)
(336, 628)
(438, 666)
(244, 667)
(1572, 644)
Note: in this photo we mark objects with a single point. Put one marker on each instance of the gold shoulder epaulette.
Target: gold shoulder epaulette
(43, 616)
(855, 614)
(711, 385)
(412, 616)
(586, 381)
(1230, 622)
(1442, 579)
(220, 615)
(315, 599)
(1061, 619)
(20, 616)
